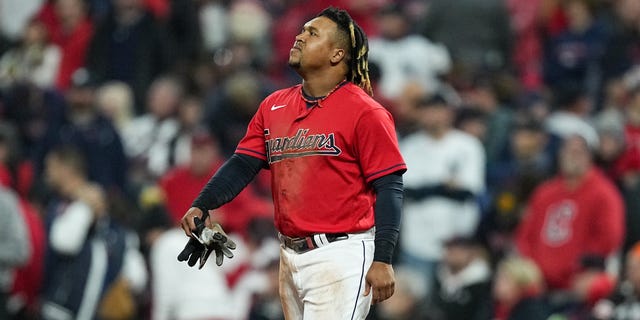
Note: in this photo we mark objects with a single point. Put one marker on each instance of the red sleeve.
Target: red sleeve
(253, 142)
(376, 145)
(607, 223)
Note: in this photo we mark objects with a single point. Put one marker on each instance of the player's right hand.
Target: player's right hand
(189, 225)
(205, 240)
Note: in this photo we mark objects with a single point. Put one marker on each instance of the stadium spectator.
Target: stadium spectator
(622, 50)
(182, 184)
(181, 293)
(16, 175)
(114, 100)
(510, 183)
(88, 255)
(462, 288)
(147, 138)
(573, 55)
(130, 46)
(447, 176)
(405, 57)
(230, 108)
(25, 292)
(488, 94)
(15, 249)
(527, 42)
(71, 29)
(577, 213)
(190, 114)
(188, 293)
(35, 61)
(517, 290)
(15, 15)
(84, 127)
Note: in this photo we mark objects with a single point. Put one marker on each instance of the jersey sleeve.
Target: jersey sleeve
(376, 145)
(252, 144)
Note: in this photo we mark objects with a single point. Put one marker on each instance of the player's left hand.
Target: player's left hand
(381, 281)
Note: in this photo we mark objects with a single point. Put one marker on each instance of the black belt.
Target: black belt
(304, 244)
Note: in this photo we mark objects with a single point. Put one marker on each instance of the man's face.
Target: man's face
(162, 99)
(457, 257)
(54, 171)
(435, 118)
(575, 157)
(314, 46)
(202, 158)
(80, 98)
(527, 143)
(392, 26)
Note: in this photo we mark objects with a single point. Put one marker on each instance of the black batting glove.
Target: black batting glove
(205, 241)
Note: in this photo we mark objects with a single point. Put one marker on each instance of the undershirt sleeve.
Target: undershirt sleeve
(228, 181)
(388, 213)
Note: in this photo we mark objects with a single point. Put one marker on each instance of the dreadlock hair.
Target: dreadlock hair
(358, 51)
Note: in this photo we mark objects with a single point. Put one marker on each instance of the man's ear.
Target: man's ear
(338, 55)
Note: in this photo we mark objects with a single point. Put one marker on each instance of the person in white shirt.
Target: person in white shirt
(446, 176)
(213, 292)
(147, 138)
(404, 57)
(35, 60)
(88, 252)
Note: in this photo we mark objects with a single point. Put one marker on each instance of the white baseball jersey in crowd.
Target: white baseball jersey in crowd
(457, 158)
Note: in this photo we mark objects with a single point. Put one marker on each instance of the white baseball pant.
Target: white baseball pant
(327, 282)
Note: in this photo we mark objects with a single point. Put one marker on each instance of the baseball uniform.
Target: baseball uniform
(323, 154)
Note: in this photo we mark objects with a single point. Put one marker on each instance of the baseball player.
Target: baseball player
(336, 178)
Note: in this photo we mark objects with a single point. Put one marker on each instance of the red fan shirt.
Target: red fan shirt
(562, 225)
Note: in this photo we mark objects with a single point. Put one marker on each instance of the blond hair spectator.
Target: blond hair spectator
(115, 101)
(516, 290)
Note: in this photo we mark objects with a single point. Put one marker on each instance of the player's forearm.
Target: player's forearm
(388, 213)
(228, 182)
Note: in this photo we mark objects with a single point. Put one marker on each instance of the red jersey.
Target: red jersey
(564, 224)
(74, 44)
(323, 157)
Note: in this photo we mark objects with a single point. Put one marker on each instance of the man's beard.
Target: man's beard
(294, 64)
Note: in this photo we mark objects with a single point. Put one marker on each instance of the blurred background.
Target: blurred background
(519, 121)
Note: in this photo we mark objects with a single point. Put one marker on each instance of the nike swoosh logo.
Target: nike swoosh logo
(274, 107)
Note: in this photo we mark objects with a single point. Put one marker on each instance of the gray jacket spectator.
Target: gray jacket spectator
(14, 243)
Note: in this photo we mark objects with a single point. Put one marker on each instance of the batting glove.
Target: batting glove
(204, 241)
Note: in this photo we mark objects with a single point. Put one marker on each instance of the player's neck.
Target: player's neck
(321, 85)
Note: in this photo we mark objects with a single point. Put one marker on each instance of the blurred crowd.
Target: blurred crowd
(519, 121)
